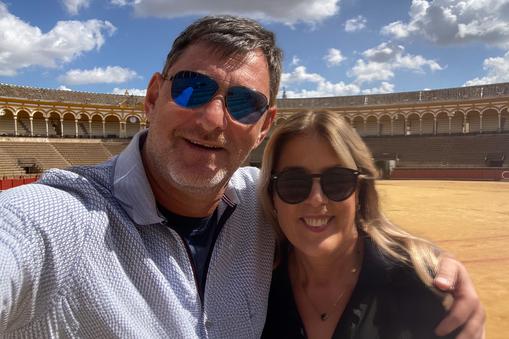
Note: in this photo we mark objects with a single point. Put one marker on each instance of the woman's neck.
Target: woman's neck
(333, 269)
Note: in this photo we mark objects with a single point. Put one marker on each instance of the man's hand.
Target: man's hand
(466, 309)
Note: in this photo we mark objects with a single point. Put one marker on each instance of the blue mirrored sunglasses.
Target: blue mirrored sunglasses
(192, 89)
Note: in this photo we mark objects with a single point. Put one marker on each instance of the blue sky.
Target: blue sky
(332, 47)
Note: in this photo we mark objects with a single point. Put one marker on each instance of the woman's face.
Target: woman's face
(316, 226)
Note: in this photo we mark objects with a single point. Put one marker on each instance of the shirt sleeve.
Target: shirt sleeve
(22, 257)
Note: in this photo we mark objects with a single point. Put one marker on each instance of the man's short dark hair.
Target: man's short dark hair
(231, 35)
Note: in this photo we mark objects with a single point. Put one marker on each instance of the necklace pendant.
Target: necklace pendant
(324, 316)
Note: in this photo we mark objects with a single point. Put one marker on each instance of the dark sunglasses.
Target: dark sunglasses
(293, 185)
(192, 89)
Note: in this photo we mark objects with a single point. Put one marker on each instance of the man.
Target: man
(165, 240)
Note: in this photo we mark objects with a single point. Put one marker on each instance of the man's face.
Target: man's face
(199, 149)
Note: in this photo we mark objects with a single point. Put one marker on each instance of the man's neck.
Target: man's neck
(185, 204)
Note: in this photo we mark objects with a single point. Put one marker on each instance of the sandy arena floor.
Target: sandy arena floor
(469, 219)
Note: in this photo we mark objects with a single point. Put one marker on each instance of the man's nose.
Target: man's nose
(212, 115)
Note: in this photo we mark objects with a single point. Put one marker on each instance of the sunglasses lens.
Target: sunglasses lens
(245, 105)
(338, 183)
(293, 185)
(191, 89)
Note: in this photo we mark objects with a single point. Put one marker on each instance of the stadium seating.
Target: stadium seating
(82, 153)
(440, 151)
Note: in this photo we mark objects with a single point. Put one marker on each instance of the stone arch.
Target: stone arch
(54, 125)
(371, 126)
(385, 125)
(112, 126)
(39, 124)
(96, 126)
(69, 125)
(504, 120)
(427, 123)
(23, 122)
(6, 121)
(442, 124)
(457, 122)
(490, 120)
(472, 122)
(358, 124)
(132, 125)
(398, 124)
(413, 126)
(84, 125)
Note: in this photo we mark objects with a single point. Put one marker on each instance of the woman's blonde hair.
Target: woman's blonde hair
(353, 153)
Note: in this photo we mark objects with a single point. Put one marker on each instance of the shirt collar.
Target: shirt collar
(132, 188)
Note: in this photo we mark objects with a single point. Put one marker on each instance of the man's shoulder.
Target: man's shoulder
(245, 177)
(57, 187)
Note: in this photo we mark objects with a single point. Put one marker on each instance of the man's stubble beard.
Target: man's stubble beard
(176, 173)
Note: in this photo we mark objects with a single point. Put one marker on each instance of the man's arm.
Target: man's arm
(466, 309)
(18, 269)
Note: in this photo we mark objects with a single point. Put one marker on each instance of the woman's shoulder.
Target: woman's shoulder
(400, 303)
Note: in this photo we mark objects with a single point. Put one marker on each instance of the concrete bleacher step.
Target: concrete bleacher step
(84, 154)
(440, 151)
(45, 155)
(115, 147)
(9, 166)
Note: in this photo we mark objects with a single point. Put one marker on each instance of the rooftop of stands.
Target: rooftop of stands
(64, 96)
(447, 94)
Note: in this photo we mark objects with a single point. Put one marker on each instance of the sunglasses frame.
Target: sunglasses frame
(259, 94)
(275, 188)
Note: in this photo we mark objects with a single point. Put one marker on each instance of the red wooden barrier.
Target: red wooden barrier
(7, 183)
(485, 173)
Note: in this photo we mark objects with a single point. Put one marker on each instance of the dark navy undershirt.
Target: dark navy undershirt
(199, 236)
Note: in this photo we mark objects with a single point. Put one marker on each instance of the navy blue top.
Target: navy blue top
(389, 301)
(199, 236)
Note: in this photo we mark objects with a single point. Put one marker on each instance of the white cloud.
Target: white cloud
(63, 88)
(380, 63)
(125, 2)
(110, 74)
(455, 21)
(497, 70)
(286, 11)
(74, 6)
(295, 60)
(23, 45)
(130, 91)
(322, 87)
(385, 87)
(333, 57)
(355, 24)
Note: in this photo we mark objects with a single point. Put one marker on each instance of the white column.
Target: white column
(31, 126)
(47, 129)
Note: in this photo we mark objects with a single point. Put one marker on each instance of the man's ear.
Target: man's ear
(152, 94)
(267, 124)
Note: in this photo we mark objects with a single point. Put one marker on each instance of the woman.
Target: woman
(343, 270)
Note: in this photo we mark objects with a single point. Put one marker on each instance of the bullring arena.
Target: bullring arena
(457, 139)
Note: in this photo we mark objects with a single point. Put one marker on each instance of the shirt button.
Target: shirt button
(208, 324)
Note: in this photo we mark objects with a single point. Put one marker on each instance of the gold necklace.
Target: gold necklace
(326, 315)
